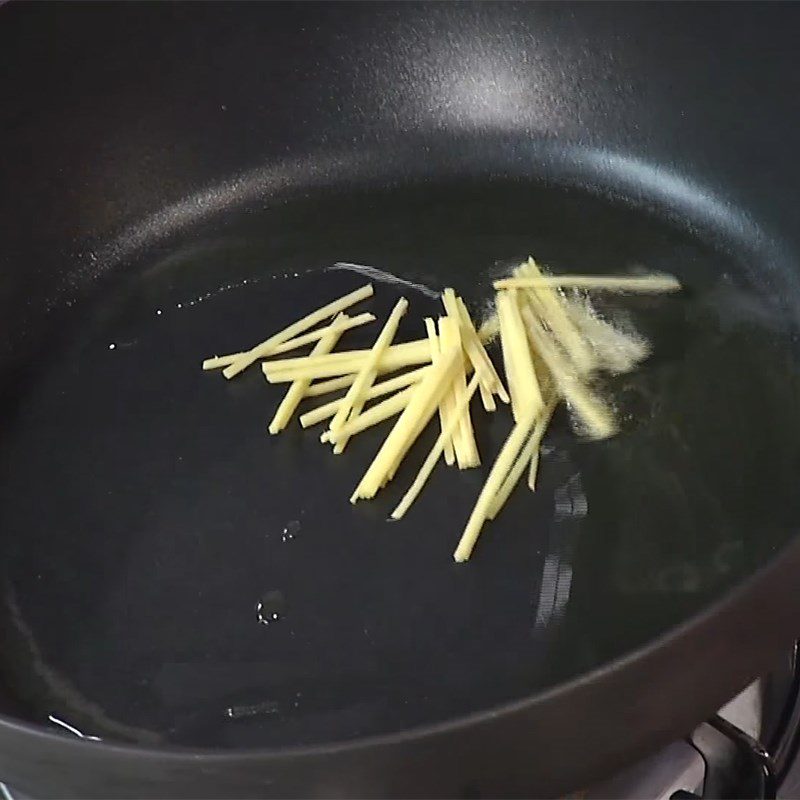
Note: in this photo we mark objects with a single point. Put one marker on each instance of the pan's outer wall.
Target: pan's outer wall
(109, 113)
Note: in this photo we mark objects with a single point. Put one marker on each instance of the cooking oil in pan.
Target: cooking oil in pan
(150, 520)
(269, 609)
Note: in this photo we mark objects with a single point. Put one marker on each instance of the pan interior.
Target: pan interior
(147, 513)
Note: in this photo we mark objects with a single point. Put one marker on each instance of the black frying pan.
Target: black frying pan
(177, 180)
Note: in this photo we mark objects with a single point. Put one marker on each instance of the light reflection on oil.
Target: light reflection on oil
(570, 508)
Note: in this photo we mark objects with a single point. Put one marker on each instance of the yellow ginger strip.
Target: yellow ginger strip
(396, 357)
(450, 301)
(372, 416)
(435, 453)
(464, 440)
(353, 401)
(444, 406)
(523, 358)
(323, 412)
(424, 402)
(502, 302)
(594, 414)
(555, 315)
(528, 455)
(656, 283)
(344, 323)
(330, 385)
(296, 391)
(416, 430)
(446, 341)
(417, 347)
(646, 284)
(551, 398)
(535, 443)
(479, 357)
(526, 397)
(309, 321)
(500, 469)
(533, 469)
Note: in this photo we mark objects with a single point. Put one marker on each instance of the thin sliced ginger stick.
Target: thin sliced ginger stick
(464, 438)
(500, 469)
(533, 469)
(479, 357)
(448, 402)
(309, 321)
(655, 284)
(526, 397)
(502, 301)
(526, 406)
(450, 301)
(353, 401)
(421, 422)
(373, 416)
(329, 385)
(532, 393)
(415, 431)
(435, 453)
(419, 347)
(416, 415)
(344, 322)
(444, 405)
(326, 411)
(399, 356)
(526, 456)
(555, 315)
(296, 391)
(594, 414)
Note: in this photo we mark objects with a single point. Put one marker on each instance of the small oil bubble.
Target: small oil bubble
(252, 710)
(270, 607)
(112, 346)
(290, 531)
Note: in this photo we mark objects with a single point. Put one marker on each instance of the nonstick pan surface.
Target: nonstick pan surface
(173, 577)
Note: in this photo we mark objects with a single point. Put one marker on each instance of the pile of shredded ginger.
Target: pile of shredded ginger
(553, 347)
